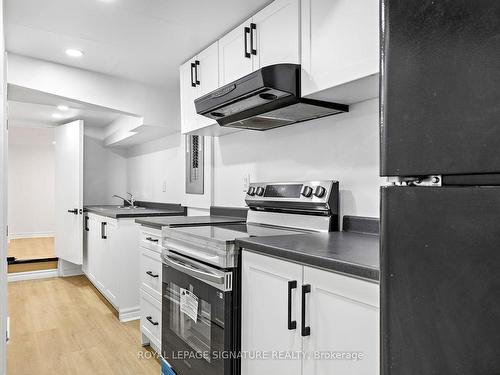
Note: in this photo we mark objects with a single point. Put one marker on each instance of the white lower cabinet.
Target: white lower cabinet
(112, 260)
(341, 313)
(151, 287)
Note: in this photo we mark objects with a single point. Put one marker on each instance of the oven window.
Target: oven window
(197, 334)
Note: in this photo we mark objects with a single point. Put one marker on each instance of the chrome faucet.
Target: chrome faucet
(130, 201)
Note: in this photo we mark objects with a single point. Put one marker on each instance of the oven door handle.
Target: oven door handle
(192, 271)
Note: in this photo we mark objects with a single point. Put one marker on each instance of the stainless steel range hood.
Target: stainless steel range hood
(265, 99)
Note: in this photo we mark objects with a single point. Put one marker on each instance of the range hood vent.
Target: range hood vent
(265, 99)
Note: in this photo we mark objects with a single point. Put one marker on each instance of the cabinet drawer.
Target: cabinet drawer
(151, 318)
(151, 239)
(151, 267)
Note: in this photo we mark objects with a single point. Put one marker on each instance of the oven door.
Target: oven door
(197, 317)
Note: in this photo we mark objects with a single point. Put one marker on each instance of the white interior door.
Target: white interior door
(69, 192)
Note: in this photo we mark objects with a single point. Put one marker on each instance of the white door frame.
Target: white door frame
(3, 198)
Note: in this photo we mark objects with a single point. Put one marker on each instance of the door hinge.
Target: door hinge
(433, 180)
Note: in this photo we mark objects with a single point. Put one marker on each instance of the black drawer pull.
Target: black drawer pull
(292, 324)
(196, 65)
(305, 331)
(245, 35)
(103, 230)
(152, 239)
(87, 223)
(73, 211)
(150, 320)
(253, 28)
(152, 274)
(193, 69)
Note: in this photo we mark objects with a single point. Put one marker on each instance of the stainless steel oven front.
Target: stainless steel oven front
(199, 333)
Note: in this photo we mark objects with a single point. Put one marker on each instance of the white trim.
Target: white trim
(14, 236)
(67, 269)
(32, 275)
(127, 315)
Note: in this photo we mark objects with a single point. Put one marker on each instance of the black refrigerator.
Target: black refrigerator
(440, 211)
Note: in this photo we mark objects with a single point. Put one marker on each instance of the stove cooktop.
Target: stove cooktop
(230, 232)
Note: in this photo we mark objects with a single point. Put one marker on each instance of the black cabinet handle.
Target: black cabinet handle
(196, 65)
(246, 32)
(152, 274)
(103, 230)
(193, 68)
(253, 28)
(152, 239)
(305, 331)
(87, 223)
(150, 320)
(74, 211)
(292, 324)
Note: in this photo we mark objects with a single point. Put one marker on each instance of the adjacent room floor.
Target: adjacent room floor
(32, 248)
(64, 326)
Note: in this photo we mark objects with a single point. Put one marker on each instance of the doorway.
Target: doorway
(31, 197)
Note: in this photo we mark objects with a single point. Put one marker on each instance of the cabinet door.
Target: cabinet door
(94, 242)
(233, 62)
(264, 320)
(99, 261)
(343, 315)
(189, 118)
(208, 77)
(277, 34)
(340, 42)
(110, 262)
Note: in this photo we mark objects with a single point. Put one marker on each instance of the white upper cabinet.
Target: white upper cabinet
(276, 34)
(235, 58)
(198, 76)
(188, 95)
(340, 49)
(271, 36)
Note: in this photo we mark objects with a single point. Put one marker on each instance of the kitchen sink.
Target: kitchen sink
(131, 208)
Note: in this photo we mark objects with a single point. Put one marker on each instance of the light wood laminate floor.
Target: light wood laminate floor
(64, 326)
(32, 248)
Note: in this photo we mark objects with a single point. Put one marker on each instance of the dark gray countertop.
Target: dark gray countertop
(159, 222)
(117, 213)
(351, 253)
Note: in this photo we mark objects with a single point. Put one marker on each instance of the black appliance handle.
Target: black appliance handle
(103, 230)
(245, 35)
(305, 331)
(150, 320)
(87, 223)
(253, 29)
(152, 239)
(73, 211)
(196, 65)
(154, 276)
(193, 68)
(292, 324)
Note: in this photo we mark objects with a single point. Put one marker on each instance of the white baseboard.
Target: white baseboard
(127, 315)
(15, 236)
(32, 275)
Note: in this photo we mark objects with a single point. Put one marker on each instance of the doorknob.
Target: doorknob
(75, 211)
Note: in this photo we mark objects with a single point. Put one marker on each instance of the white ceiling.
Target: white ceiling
(142, 40)
(30, 108)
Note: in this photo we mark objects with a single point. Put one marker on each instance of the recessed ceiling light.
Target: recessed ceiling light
(57, 115)
(62, 107)
(74, 52)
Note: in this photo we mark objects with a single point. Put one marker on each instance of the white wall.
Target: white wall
(343, 147)
(155, 165)
(104, 172)
(31, 182)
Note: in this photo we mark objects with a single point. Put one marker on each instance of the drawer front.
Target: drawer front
(151, 268)
(151, 239)
(151, 318)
